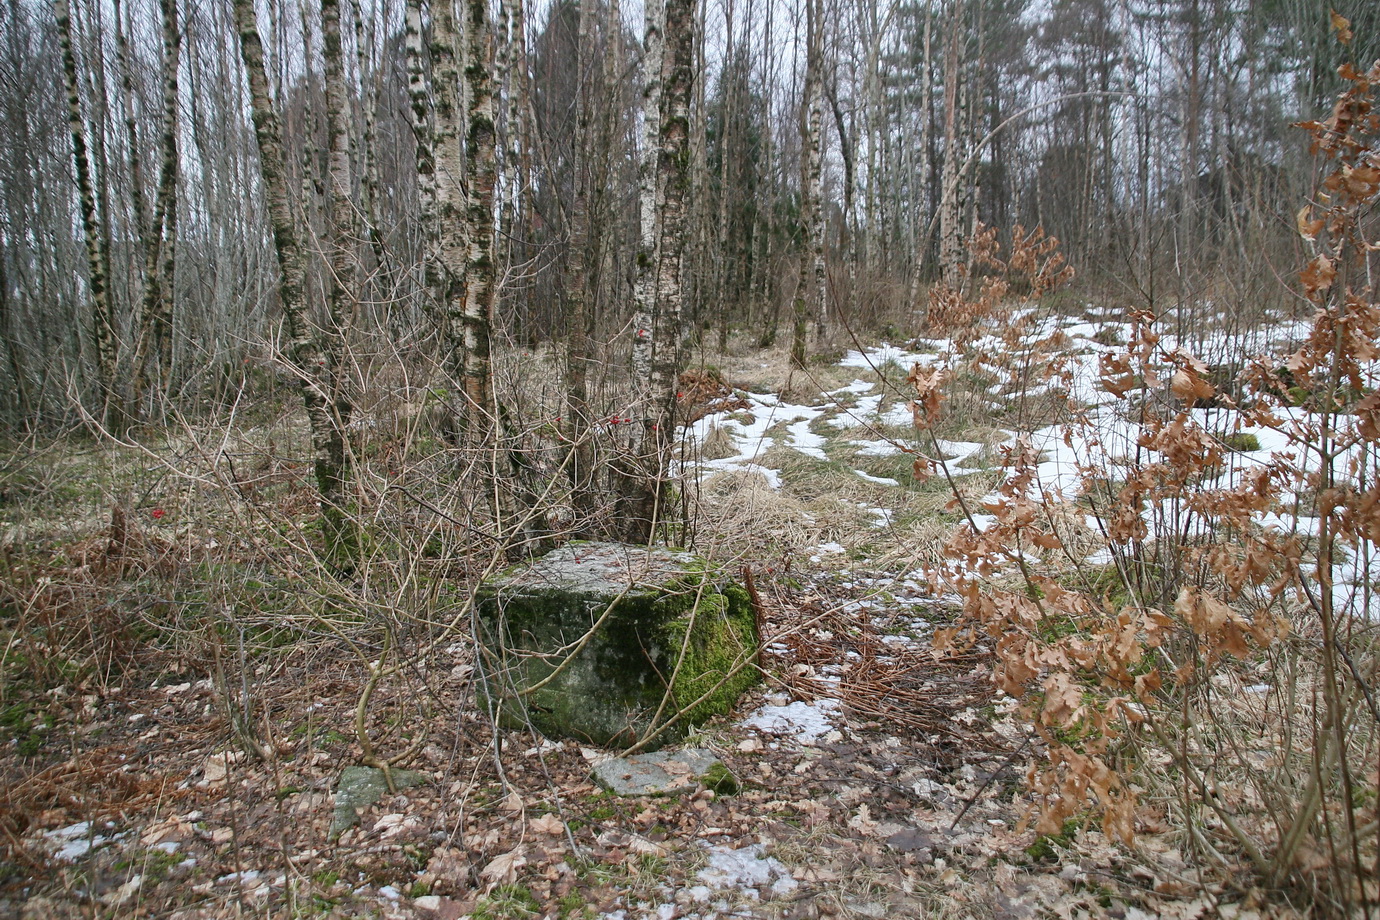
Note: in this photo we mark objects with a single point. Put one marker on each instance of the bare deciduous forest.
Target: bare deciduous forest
(1014, 367)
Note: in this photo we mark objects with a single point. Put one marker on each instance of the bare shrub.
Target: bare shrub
(1212, 666)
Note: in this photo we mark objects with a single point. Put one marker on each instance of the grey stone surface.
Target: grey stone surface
(590, 567)
(596, 639)
(657, 773)
(360, 787)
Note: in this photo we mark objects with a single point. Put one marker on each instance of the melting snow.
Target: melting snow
(1067, 455)
(875, 358)
(805, 440)
(857, 386)
(879, 449)
(806, 722)
(74, 841)
(899, 414)
(865, 412)
(958, 451)
(748, 869)
(751, 439)
(881, 517)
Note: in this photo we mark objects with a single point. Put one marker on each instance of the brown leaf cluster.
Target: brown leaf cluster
(1035, 268)
(925, 407)
(1094, 673)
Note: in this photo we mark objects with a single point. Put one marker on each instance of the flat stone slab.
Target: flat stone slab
(360, 787)
(658, 773)
(592, 568)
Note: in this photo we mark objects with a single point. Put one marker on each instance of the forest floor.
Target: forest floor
(879, 778)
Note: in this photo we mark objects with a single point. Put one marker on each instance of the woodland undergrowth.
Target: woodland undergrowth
(1192, 634)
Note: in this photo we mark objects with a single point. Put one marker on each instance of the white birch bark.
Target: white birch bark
(481, 175)
(103, 327)
(725, 299)
(517, 169)
(446, 263)
(662, 264)
(577, 295)
(155, 336)
(342, 225)
(951, 201)
(809, 291)
(423, 99)
(306, 353)
(422, 113)
(644, 291)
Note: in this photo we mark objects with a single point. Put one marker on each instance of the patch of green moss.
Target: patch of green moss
(154, 864)
(572, 907)
(1046, 847)
(1054, 628)
(24, 726)
(417, 856)
(1242, 441)
(721, 780)
(1103, 582)
(723, 638)
(650, 864)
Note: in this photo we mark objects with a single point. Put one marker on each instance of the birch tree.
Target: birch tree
(516, 149)
(342, 232)
(311, 358)
(464, 183)
(422, 111)
(105, 332)
(659, 298)
(951, 188)
(578, 313)
(474, 312)
(644, 289)
(809, 292)
(154, 343)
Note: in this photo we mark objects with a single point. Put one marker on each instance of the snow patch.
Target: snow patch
(749, 870)
(879, 449)
(74, 841)
(805, 440)
(858, 386)
(806, 722)
(885, 353)
(881, 517)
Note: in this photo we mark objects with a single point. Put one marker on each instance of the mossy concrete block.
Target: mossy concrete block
(593, 638)
(360, 787)
(663, 773)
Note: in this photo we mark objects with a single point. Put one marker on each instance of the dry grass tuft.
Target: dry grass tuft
(717, 445)
(743, 517)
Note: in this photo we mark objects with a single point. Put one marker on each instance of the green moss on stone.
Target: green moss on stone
(721, 779)
(716, 669)
(613, 686)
